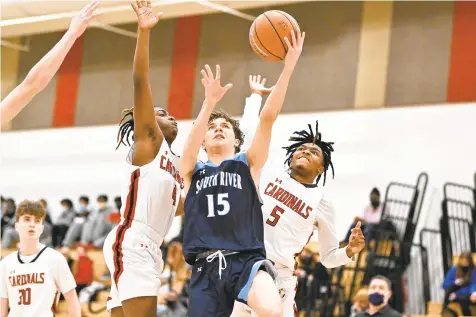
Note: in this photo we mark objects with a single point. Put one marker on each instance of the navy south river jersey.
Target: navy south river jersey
(222, 209)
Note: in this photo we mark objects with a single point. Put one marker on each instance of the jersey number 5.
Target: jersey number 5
(275, 215)
(25, 296)
(223, 206)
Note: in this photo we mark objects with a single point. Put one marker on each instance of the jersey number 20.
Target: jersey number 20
(275, 215)
(25, 296)
(222, 205)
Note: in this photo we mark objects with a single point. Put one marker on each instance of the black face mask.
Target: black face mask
(465, 269)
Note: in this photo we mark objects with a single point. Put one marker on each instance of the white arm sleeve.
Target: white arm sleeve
(249, 121)
(64, 278)
(328, 246)
(3, 281)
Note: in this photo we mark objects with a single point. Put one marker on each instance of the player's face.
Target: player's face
(167, 124)
(220, 134)
(308, 158)
(29, 227)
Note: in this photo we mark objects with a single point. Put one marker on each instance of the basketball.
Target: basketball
(267, 34)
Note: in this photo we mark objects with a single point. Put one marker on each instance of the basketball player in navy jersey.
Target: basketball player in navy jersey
(223, 235)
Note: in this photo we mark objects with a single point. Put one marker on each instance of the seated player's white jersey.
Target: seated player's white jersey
(289, 214)
(33, 283)
(152, 193)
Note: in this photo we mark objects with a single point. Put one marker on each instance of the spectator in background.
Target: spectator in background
(360, 302)
(371, 216)
(115, 216)
(97, 227)
(75, 230)
(45, 237)
(379, 293)
(8, 212)
(9, 234)
(460, 284)
(63, 222)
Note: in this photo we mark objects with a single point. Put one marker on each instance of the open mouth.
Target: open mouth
(302, 158)
(219, 136)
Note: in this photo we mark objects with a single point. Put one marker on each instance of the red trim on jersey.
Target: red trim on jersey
(298, 254)
(129, 212)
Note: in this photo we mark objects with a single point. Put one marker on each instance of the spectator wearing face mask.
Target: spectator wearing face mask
(379, 293)
(371, 216)
(97, 226)
(460, 284)
(63, 222)
(9, 234)
(75, 230)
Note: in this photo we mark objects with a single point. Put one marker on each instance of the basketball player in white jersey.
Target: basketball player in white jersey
(294, 206)
(42, 73)
(151, 195)
(33, 277)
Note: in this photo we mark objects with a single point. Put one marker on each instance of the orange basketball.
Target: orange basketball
(267, 34)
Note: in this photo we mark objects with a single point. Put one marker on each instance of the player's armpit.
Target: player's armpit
(4, 307)
(74, 308)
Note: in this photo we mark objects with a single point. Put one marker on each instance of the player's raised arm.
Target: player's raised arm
(213, 94)
(145, 125)
(42, 73)
(259, 149)
(250, 119)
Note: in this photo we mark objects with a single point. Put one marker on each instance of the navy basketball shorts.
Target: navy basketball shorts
(214, 295)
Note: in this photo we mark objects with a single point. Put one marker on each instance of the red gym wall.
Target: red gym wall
(357, 55)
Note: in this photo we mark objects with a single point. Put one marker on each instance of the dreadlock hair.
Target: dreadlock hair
(126, 127)
(216, 114)
(303, 137)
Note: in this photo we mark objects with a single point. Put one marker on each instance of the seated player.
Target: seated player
(32, 278)
(293, 206)
(223, 236)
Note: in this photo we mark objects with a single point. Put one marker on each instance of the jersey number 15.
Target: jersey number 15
(222, 205)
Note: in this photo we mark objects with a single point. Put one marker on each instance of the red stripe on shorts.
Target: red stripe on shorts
(121, 230)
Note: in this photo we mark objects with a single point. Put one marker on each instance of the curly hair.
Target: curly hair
(217, 114)
(303, 137)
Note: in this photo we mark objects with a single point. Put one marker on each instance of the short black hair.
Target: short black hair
(235, 124)
(375, 191)
(102, 198)
(382, 278)
(303, 137)
(84, 198)
(67, 202)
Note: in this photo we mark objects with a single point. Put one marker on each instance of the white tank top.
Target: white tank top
(289, 212)
(151, 195)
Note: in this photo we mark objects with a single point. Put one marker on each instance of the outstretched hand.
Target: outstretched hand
(213, 89)
(357, 239)
(146, 18)
(80, 22)
(257, 85)
(294, 48)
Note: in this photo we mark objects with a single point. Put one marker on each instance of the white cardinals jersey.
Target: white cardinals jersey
(33, 283)
(290, 212)
(151, 195)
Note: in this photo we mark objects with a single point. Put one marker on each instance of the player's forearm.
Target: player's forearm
(74, 307)
(275, 101)
(37, 79)
(250, 119)
(141, 58)
(195, 139)
(4, 307)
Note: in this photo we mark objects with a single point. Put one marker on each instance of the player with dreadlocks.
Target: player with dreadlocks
(294, 206)
(152, 193)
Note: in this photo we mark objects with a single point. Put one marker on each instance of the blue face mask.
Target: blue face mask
(82, 208)
(376, 299)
